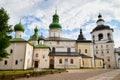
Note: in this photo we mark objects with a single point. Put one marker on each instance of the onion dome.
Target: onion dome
(19, 27)
(35, 36)
(36, 30)
(55, 24)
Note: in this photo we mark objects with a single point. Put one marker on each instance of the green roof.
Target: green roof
(55, 24)
(35, 36)
(41, 46)
(19, 27)
(18, 40)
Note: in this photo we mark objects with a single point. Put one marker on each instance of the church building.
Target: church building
(102, 37)
(56, 51)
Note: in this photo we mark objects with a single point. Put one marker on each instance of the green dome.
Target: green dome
(19, 27)
(55, 25)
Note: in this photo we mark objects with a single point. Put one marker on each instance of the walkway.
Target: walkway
(83, 74)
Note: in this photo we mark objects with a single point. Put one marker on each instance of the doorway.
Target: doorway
(51, 63)
(36, 64)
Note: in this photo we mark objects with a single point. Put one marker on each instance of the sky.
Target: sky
(73, 15)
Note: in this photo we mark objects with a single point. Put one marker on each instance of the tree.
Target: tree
(5, 30)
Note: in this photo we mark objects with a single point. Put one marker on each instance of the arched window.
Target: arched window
(16, 62)
(60, 61)
(109, 66)
(100, 37)
(71, 61)
(85, 50)
(108, 59)
(5, 62)
(11, 51)
(53, 49)
(108, 35)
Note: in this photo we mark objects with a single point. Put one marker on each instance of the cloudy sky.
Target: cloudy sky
(73, 14)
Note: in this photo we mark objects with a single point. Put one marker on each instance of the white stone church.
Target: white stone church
(59, 52)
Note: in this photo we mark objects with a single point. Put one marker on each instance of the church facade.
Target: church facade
(102, 37)
(56, 51)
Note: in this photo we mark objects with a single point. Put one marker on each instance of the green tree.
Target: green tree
(5, 30)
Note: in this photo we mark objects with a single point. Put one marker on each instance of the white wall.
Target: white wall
(66, 65)
(54, 33)
(18, 34)
(28, 56)
(21, 54)
(61, 46)
(18, 54)
(43, 57)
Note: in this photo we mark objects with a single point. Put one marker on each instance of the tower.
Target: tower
(34, 38)
(19, 30)
(102, 37)
(55, 27)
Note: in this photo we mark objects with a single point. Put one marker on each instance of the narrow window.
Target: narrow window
(16, 62)
(109, 66)
(100, 63)
(106, 46)
(11, 51)
(43, 56)
(5, 62)
(71, 61)
(108, 59)
(96, 46)
(85, 50)
(96, 52)
(68, 50)
(101, 46)
(60, 61)
(109, 38)
(53, 49)
(36, 55)
(107, 51)
(83, 62)
(102, 52)
(57, 42)
(79, 50)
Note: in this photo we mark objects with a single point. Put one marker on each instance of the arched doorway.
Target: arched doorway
(52, 63)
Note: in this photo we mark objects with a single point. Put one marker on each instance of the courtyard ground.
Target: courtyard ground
(82, 74)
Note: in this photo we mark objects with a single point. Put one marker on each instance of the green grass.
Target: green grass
(7, 75)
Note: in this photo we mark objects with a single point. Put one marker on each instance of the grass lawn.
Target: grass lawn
(7, 75)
